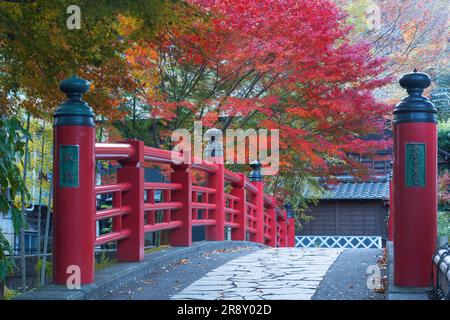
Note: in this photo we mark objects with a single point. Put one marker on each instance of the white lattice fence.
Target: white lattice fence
(355, 242)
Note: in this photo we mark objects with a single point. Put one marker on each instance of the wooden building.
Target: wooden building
(351, 208)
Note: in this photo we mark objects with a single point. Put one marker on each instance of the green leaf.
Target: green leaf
(6, 262)
(18, 219)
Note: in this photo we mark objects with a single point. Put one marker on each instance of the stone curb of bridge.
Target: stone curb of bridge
(119, 274)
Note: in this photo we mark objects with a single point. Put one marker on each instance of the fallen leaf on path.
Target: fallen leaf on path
(183, 261)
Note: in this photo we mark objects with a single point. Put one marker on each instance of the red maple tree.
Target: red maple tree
(286, 65)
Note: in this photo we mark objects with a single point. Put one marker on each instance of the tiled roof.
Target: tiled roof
(356, 191)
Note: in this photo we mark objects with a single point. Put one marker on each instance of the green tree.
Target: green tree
(12, 185)
(37, 50)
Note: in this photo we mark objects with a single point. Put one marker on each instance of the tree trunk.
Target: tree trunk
(23, 271)
(47, 229)
(134, 110)
(40, 191)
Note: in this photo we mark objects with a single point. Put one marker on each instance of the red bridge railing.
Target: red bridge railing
(226, 199)
(246, 210)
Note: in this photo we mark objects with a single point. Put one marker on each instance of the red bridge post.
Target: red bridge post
(240, 233)
(290, 225)
(283, 225)
(74, 185)
(182, 236)
(414, 184)
(216, 181)
(256, 178)
(132, 171)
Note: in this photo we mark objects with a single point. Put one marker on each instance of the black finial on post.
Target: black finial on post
(74, 111)
(255, 175)
(289, 211)
(415, 107)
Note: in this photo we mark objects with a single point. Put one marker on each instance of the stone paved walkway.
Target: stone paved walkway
(281, 274)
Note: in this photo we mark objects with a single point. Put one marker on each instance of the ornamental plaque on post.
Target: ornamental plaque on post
(414, 183)
(74, 185)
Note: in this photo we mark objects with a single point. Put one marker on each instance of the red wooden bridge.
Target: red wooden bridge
(226, 200)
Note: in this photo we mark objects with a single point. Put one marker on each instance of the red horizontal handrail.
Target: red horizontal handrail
(231, 210)
(204, 166)
(166, 157)
(162, 226)
(162, 206)
(203, 189)
(232, 225)
(203, 222)
(113, 151)
(231, 197)
(203, 205)
(110, 213)
(251, 205)
(250, 187)
(157, 155)
(162, 186)
(111, 188)
(112, 236)
(233, 177)
(269, 201)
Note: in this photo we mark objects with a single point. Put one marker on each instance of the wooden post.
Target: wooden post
(415, 184)
(272, 214)
(290, 225)
(256, 178)
(216, 181)
(182, 236)
(240, 233)
(132, 170)
(74, 185)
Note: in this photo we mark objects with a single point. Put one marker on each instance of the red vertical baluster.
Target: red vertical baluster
(282, 229)
(182, 236)
(285, 229)
(240, 233)
(216, 181)
(272, 224)
(132, 170)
